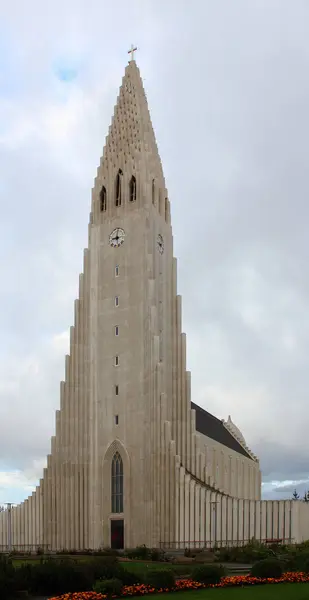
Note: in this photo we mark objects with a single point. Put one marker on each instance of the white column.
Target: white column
(177, 501)
(182, 514)
(229, 521)
(187, 508)
(192, 512)
(197, 520)
(203, 516)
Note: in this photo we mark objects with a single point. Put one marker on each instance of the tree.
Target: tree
(306, 496)
(295, 495)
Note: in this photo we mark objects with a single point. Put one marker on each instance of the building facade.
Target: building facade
(134, 460)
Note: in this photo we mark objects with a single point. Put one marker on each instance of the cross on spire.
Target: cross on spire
(131, 51)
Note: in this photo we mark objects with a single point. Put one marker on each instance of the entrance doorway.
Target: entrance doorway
(117, 534)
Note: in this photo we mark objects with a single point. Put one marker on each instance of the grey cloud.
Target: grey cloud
(281, 462)
(229, 97)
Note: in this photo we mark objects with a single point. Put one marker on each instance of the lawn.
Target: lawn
(284, 591)
(142, 566)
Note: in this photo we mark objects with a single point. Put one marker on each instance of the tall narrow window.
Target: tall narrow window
(117, 481)
(132, 189)
(166, 209)
(118, 188)
(116, 330)
(116, 300)
(116, 390)
(116, 361)
(116, 420)
(116, 270)
(153, 191)
(103, 199)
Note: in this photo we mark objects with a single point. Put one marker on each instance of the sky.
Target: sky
(228, 90)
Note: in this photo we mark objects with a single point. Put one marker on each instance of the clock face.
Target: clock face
(160, 243)
(116, 238)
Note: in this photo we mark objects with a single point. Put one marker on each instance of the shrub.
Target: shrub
(209, 574)
(269, 567)
(23, 577)
(140, 553)
(303, 545)
(61, 575)
(108, 567)
(130, 578)
(298, 561)
(182, 569)
(54, 576)
(110, 587)
(7, 581)
(249, 553)
(157, 555)
(103, 567)
(160, 579)
(305, 567)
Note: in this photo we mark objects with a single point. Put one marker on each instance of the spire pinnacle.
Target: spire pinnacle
(131, 140)
(130, 163)
(131, 51)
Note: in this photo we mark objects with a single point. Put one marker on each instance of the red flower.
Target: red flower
(189, 584)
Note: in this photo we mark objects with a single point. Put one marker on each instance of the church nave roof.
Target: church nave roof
(212, 427)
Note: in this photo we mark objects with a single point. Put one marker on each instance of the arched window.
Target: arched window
(103, 199)
(153, 191)
(118, 188)
(117, 484)
(132, 189)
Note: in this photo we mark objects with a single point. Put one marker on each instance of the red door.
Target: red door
(117, 534)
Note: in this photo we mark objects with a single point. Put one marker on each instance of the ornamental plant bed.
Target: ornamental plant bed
(189, 585)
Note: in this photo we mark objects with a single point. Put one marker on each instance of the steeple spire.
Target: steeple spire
(130, 149)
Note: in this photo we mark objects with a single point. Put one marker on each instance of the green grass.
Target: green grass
(285, 591)
(20, 561)
(140, 567)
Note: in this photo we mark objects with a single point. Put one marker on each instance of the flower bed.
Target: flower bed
(189, 585)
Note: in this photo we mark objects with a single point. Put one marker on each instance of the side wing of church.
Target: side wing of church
(134, 460)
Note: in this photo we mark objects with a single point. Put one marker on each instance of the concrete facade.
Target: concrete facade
(126, 451)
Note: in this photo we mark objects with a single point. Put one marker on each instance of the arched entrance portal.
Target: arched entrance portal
(116, 497)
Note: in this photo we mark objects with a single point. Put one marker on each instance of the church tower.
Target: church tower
(148, 471)
(133, 460)
(131, 325)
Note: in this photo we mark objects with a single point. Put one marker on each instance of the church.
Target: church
(134, 460)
